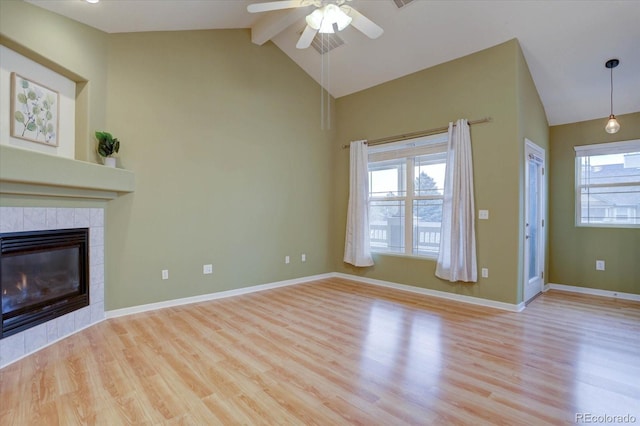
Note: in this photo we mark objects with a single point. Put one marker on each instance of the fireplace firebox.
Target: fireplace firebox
(43, 275)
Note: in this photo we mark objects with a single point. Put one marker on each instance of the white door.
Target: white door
(534, 221)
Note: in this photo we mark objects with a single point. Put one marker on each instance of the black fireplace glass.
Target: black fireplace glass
(38, 277)
(43, 275)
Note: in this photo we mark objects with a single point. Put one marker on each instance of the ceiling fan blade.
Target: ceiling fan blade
(277, 5)
(364, 24)
(306, 38)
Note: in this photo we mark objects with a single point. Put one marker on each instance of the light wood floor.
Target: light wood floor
(337, 352)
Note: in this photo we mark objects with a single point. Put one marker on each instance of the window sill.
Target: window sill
(607, 225)
(404, 255)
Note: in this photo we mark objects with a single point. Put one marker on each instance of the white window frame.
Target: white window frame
(408, 150)
(622, 147)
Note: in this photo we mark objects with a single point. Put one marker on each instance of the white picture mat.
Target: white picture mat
(11, 61)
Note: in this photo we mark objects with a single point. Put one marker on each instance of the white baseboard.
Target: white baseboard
(593, 291)
(436, 293)
(230, 293)
(212, 296)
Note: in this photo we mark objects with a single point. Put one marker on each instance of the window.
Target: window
(608, 184)
(406, 185)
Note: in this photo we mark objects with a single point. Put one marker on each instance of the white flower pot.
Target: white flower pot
(109, 161)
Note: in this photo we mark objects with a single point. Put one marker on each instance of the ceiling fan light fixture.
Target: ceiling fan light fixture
(326, 27)
(325, 18)
(336, 15)
(343, 20)
(314, 19)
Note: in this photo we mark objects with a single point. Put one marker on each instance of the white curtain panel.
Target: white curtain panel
(357, 247)
(457, 258)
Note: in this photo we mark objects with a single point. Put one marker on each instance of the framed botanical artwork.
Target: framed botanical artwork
(34, 111)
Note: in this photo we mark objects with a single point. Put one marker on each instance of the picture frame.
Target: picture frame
(35, 111)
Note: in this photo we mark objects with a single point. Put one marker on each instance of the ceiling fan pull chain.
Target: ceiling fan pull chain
(328, 86)
(322, 40)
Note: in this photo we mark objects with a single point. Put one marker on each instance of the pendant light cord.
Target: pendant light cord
(611, 69)
(325, 81)
(328, 91)
(322, 41)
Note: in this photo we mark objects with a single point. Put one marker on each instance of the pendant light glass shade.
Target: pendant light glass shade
(612, 125)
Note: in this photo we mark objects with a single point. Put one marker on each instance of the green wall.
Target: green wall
(224, 139)
(532, 125)
(574, 250)
(485, 84)
(79, 53)
(231, 166)
(72, 49)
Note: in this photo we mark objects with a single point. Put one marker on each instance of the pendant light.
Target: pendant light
(612, 125)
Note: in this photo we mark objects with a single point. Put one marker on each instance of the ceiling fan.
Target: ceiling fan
(329, 16)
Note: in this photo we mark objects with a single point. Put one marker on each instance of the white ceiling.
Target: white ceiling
(565, 42)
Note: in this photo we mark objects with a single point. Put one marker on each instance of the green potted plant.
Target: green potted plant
(107, 146)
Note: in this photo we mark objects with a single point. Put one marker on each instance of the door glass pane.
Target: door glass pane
(533, 219)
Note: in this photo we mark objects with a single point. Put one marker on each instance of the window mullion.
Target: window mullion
(428, 197)
(608, 185)
(408, 211)
(386, 198)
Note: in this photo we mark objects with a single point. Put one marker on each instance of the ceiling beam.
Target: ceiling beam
(274, 23)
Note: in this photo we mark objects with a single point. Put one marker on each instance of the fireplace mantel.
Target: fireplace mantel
(24, 172)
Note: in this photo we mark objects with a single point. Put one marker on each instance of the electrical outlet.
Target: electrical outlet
(165, 274)
(303, 257)
(599, 265)
(207, 269)
(483, 214)
(287, 260)
(485, 272)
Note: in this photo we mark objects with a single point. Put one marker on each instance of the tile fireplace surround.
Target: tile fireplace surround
(16, 219)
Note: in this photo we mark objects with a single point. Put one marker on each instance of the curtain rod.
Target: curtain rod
(418, 134)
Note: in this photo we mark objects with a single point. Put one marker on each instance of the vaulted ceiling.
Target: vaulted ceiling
(565, 43)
